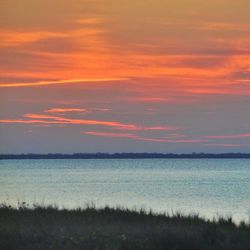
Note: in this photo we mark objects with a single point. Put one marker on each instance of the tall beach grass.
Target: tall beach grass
(90, 228)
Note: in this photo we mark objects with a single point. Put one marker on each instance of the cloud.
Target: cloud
(150, 128)
(21, 121)
(229, 90)
(11, 38)
(236, 136)
(224, 27)
(45, 119)
(174, 136)
(138, 138)
(14, 38)
(65, 110)
(175, 141)
(76, 110)
(112, 135)
(150, 99)
(71, 121)
(69, 81)
(225, 145)
(90, 21)
(51, 119)
(100, 109)
(159, 128)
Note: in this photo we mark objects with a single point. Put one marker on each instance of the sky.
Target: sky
(124, 76)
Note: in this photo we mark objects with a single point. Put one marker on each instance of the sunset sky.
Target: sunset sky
(124, 76)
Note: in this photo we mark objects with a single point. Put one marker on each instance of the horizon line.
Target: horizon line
(100, 155)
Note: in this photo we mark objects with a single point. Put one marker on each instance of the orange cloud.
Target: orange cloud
(20, 121)
(70, 81)
(89, 21)
(99, 50)
(224, 27)
(49, 119)
(219, 91)
(150, 99)
(39, 116)
(76, 110)
(10, 38)
(14, 38)
(70, 121)
(52, 119)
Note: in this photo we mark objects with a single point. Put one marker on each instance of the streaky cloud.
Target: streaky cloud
(52, 119)
(69, 81)
(138, 138)
(65, 110)
(235, 136)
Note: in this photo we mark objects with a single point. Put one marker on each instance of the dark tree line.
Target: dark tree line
(126, 156)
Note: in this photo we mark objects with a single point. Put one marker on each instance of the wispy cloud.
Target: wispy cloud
(150, 99)
(68, 81)
(112, 135)
(225, 145)
(151, 128)
(235, 136)
(139, 138)
(65, 110)
(12, 38)
(52, 119)
(224, 26)
(71, 121)
(75, 110)
(90, 21)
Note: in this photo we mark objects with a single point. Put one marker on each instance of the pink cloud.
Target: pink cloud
(75, 110)
(62, 120)
(100, 109)
(226, 145)
(52, 119)
(65, 110)
(137, 137)
(174, 136)
(174, 141)
(20, 121)
(112, 135)
(151, 128)
(236, 136)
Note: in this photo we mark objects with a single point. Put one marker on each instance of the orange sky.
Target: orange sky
(164, 68)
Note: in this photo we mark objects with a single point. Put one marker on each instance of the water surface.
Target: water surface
(205, 186)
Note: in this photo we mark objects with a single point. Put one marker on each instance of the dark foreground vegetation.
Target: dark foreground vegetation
(115, 229)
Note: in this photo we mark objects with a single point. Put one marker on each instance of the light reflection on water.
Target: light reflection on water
(208, 187)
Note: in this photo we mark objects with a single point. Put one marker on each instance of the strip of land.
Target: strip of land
(125, 156)
(50, 228)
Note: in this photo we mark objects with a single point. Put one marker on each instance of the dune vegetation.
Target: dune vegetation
(89, 228)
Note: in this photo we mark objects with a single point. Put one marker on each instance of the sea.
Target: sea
(208, 187)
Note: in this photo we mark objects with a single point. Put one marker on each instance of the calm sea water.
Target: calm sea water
(208, 187)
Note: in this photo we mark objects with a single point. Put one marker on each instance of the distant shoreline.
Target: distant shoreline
(125, 156)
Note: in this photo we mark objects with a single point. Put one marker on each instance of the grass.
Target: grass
(90, 228)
